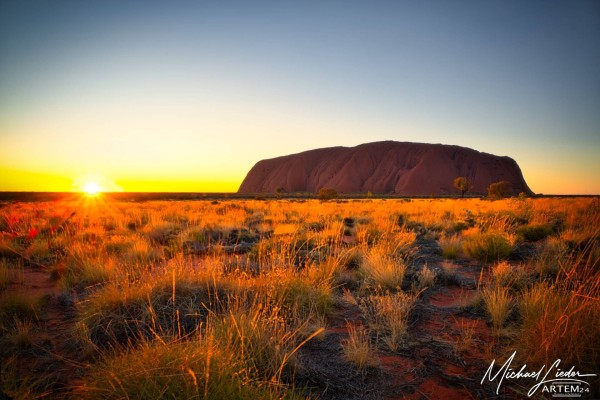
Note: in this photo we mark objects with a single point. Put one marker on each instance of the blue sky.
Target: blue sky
(189, 95)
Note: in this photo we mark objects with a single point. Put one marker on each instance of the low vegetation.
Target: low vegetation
(229, 298)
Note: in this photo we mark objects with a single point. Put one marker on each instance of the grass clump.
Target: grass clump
(20, 305)
(560, 319)
(502, 272)
(117, 315)
(18, 334)
(194, 369)
(552, 257)
(383, 271)
(534, 233)
(388, 316)
(247, 352)
(357, 348)
(450, 247)
(487, 247)
(511, 276)
(426, 278)
(498, 304)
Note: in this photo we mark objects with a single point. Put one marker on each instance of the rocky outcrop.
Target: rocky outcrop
(403, 168)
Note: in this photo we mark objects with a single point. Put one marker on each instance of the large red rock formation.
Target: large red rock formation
(403, 168)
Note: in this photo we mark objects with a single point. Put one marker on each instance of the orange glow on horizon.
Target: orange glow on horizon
(92, 188)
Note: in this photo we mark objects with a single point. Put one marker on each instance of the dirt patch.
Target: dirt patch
(468, 271)
(51, 359)
(452, 296)
(433, 388)
(401, 369)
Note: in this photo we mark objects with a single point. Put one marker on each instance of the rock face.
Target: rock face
(403, 168)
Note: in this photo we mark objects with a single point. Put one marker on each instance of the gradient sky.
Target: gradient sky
(188, 95)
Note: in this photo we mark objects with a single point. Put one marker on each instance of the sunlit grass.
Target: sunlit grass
(156, 319)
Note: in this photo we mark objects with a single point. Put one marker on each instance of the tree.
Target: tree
(280, 191)
(327, 193)
(462, 184)
(500, 189)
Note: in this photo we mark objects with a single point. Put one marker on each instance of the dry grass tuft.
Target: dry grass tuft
(388, 315)
(498, 304)
(357, 348)
(450, 246)
(383, 271)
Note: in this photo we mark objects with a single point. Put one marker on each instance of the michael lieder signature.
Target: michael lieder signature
(544, 376)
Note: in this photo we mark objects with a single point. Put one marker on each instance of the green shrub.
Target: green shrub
(500, 190)
(450, 247)
(194, 369)
(533, 233)
(487, 247)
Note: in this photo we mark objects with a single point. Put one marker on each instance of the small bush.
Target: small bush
(552, 257)
(533, 233)
(500, 190)
(327, 194)
(487, 247)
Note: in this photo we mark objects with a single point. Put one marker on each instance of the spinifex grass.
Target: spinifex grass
(169, 305)
(357, 348)
(498, 304)
(387, 314)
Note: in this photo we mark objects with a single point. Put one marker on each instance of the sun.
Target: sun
(91, 188)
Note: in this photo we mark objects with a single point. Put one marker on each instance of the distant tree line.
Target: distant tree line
(497, 190)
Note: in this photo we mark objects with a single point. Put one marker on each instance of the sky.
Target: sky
(189, 95)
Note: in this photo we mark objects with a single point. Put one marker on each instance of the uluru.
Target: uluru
(388, 167)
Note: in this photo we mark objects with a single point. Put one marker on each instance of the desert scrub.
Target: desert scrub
(260, 335)
(426, 278)
(487, 247)
(552, 257)
(450, 246)
(163, 233)
(560, 320)
(502, 272)
(383, 271)
(300, 295)
(534, 233)
(9, 248)
(140, 253)
(21, 305)
(357, 348)
(497, 302)
(388, 315)
(515, 277)
(200, 368)
(84, 266)
(17, 335)
(118, 313)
